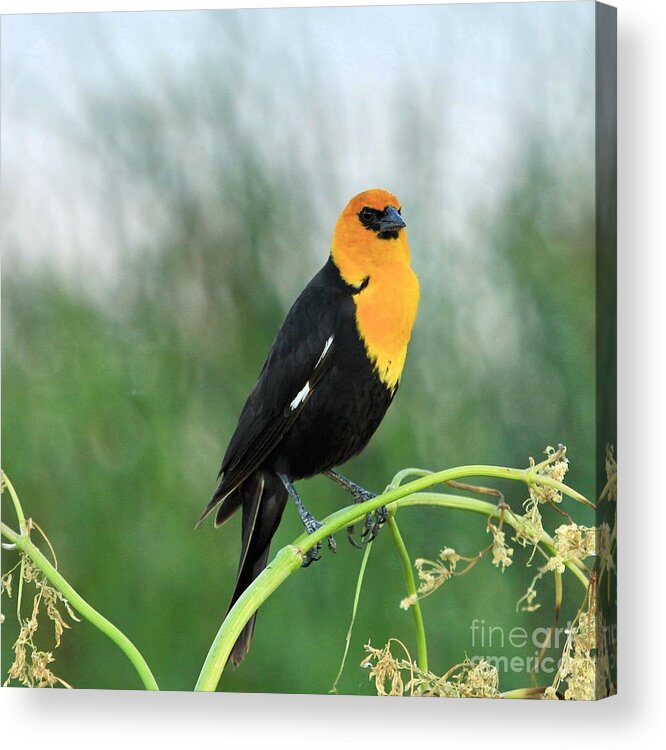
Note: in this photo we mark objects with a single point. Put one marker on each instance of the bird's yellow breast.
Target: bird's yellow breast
(385, 314)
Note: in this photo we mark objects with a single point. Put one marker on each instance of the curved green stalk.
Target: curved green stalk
(287, 561)
(23, 543)
(289, 558)
(405, 559)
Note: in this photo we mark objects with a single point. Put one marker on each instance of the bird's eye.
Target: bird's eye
(369, 217)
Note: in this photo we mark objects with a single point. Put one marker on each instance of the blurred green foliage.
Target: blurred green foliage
(120, 390)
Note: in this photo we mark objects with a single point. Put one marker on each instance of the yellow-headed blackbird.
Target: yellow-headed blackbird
(327, 382)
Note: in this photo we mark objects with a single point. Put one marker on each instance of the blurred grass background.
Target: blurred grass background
(170, 182)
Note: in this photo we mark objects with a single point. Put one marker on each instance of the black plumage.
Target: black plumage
(327, 382)
(318, 348)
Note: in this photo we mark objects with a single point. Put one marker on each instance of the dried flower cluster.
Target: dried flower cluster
(555, 466)
(502, 553)
(605, 535)
(584, 665)
(395, 676)
(604, 547)
(528, 601)
(31, 664)
(610, 490)
(433, 573)
(583, 671)
(572, 542)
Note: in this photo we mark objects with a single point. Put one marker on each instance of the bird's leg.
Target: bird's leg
(357, 492)
(373, 521)
(309, 521)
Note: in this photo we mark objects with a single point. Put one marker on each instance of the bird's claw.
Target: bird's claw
(373, 522)
(314, 553)
(350, 537)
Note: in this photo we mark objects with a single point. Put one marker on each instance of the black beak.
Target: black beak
(391, 221)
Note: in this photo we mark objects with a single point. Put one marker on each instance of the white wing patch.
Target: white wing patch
(300, 397)
(327, 346)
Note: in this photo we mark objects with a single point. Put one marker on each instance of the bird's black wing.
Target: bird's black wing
(298, 360)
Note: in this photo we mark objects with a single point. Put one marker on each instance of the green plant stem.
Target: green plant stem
(287, 561)
(18, 509)
(17, 504)
(23, 543)
(357, 596)
(405, 559)
(289, 558)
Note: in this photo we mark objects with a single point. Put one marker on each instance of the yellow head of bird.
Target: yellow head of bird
(369, 236)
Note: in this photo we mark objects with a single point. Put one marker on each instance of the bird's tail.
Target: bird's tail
(263, 498)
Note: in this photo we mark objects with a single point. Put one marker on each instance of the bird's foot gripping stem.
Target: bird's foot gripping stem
(373, 521)
(312, 555)
(311, 525)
